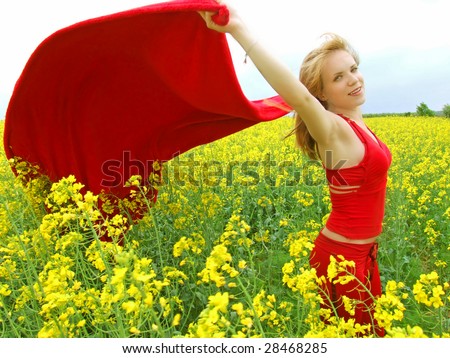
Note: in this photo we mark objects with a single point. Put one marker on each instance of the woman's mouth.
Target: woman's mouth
(356, 92)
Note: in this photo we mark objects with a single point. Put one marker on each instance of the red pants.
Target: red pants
(365, 270)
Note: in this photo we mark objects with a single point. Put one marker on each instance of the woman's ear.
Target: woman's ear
(322, 97)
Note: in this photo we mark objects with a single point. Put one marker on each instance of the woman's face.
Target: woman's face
(343, 84)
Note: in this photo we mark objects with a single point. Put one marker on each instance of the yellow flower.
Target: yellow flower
(300, 244)
(332, 270)
(134, 330)
(428, 291)
(149, 300)
(238, 307)
(4, 290)
(220, 301)
(247, 321)
(284, 222)
(340, 269)
(134, 180)
(217, 264)
(349, 305)
(119, 275)
(264, 201)
(130, 307)
(303, 198)
(389, 307)
(211, 324)
(156, 165)
(176, 320)
(408, 332)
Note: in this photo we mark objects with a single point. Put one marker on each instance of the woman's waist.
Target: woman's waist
(340, 238)
(364, 223)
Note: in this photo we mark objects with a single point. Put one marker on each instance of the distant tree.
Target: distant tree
(422, 110)
(446, 110)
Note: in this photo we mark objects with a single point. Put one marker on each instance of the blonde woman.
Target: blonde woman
(329, 126)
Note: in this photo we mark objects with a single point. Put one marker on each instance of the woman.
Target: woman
(329, 126)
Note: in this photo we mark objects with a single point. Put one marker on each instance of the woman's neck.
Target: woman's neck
(353, 114)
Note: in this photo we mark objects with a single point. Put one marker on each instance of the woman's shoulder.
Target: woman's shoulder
(344, 145)
(342, 125)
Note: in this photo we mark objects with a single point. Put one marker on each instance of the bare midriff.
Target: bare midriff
(337, 237)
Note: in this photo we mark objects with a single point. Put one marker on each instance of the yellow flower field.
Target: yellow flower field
(224, 251)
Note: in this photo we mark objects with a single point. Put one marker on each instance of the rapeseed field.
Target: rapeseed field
(224, 250)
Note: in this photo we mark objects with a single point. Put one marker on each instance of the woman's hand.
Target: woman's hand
(235, 24)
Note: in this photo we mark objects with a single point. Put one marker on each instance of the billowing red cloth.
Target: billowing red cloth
(106, 97)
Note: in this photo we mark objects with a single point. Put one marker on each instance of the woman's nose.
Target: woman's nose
(353, 79)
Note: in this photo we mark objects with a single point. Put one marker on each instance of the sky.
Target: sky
(404, 45)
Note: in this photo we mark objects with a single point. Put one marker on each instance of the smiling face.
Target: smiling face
(342, 84)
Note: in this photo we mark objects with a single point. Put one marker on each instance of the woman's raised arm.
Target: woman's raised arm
(319, 121)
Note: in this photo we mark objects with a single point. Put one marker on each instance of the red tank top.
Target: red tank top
(357, 212)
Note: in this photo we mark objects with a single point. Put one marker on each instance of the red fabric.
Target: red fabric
(366, 271)
(358, 212)
(128, 89)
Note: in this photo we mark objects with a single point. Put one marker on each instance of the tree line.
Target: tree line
(422, 110)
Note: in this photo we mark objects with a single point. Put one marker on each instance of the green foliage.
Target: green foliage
(423, 110)
(446, 111)
(378, 115)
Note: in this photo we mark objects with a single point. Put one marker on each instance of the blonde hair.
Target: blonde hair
(310, 76)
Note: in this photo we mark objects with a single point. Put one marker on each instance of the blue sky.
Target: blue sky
(404, 45)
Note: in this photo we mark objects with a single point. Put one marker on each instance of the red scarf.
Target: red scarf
(104, 98)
